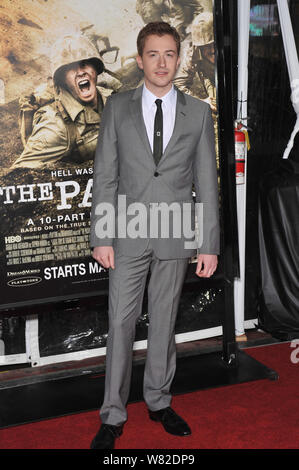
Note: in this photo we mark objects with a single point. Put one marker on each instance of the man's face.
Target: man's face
(159, 63)
(80, 78)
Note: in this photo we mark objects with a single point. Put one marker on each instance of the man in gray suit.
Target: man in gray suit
(154, 142)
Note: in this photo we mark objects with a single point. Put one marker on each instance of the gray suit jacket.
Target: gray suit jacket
(124, 166)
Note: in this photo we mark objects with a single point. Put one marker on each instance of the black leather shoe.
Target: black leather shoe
(105, 438)
(171, 422)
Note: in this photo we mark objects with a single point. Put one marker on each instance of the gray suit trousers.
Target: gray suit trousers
(126, 288)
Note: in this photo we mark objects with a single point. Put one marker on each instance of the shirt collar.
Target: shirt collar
(149, 98)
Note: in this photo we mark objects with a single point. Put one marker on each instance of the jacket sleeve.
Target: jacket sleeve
(206, 188)
(105, 181)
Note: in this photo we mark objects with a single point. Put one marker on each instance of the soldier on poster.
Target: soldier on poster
(178, 13)
(196, 76)
(60, 122)
(197, 73)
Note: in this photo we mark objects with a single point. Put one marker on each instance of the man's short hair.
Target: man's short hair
(158, 28)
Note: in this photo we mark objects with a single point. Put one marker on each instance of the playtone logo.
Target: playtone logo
(151, 220)
(24, 281)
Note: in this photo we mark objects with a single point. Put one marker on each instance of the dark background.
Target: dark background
(271, 120)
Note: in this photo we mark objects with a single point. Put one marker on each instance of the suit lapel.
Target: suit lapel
(179, 123)
(135, 106)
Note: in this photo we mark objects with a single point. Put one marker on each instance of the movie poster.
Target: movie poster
(49, 122)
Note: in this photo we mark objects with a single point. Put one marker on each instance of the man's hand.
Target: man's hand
(104, 255)
(206, 265)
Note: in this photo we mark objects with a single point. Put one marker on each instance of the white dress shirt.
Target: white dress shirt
(149, 109)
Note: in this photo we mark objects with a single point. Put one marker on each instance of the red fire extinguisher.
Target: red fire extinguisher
(240, 153)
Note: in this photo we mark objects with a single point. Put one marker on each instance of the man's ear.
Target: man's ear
(139, 62)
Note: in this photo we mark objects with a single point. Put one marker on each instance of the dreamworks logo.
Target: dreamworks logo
(295, 353)
(153, 220)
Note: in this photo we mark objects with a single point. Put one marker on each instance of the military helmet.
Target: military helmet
(72, 49)
(202, 30)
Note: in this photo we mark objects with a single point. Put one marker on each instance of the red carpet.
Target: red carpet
(262, 414)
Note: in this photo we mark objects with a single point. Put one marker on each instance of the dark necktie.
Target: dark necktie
(158, 133)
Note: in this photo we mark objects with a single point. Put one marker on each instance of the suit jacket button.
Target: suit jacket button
(156, 173)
